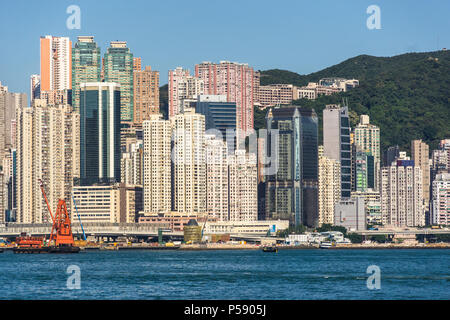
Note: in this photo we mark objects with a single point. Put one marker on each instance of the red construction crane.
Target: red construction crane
(61, 230)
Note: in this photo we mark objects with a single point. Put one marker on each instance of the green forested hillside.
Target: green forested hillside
(407, 96)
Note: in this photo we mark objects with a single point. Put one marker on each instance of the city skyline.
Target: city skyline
(204, 150)
(398, 18)
(114, 96)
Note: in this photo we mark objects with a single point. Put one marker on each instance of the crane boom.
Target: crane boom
(79, 219)
(61, 232)
(46, 200)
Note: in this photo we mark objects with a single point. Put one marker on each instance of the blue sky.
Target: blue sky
(296, 35)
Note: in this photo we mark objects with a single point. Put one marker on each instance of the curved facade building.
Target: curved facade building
(291, 192)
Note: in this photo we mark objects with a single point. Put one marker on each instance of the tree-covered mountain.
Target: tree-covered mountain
(407, 95)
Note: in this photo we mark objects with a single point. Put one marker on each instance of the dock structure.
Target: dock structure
(112, 230)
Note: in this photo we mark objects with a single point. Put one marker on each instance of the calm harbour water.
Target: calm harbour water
(249, 274)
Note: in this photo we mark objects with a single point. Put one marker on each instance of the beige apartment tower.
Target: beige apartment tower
(420, 153)
(182, 86)
(157, 165)
(329, 187)
(146, 93)
(9, 102)
(189, 166)
(243, 186)
(131, 164)
(47, 150)
(402, 195)
(216, 177)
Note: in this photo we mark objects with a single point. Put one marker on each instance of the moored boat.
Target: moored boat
(63, 249)
(326, 245)
(27, 244)
(270, 249)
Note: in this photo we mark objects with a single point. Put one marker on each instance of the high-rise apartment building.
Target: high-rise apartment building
(132, 164)
(10, 180)
(243, 186)
(25, 182)
(291, 192)
(367, 137)
(9, 102)
(420, 154)
(445, 145)
(3, 88)
(56, 63)
(439, 163)
(100, 151)
(363, 170)
(440, 159)
(157, 165)
(137, 64)
(402, 194)
(86, 66)
(238, 81)
(367, 140)
(53, 97)
(217, 180)
(146, 94)
(182, 86)
(189, 167)
(336, 142)
(440, 201)
(329, 192)
(47, 150)
(118, 65)
(276, 94)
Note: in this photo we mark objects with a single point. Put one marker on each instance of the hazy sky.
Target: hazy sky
(296, 35)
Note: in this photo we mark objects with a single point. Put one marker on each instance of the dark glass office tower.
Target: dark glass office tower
(336, 143)
(291, 192)
(390, 155)
(219, 114)
(99, 133)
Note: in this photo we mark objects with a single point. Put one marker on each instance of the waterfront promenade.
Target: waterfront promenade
(230, 246)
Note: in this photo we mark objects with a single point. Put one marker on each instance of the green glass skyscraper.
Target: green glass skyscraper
(118, 66)
(363, 170)
(86, 66)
